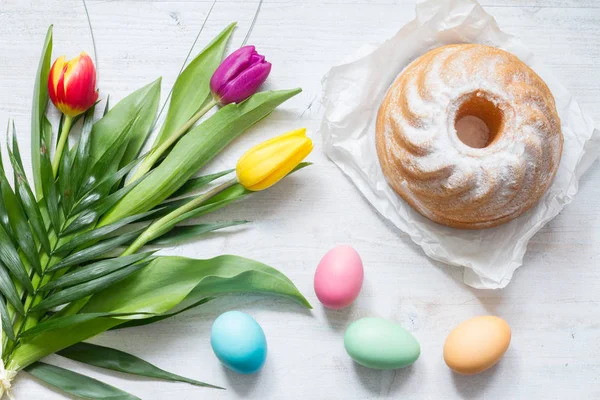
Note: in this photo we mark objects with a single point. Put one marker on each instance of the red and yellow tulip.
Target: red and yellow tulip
(72, 84)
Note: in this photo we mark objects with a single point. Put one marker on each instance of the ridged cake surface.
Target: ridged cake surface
(446, 180)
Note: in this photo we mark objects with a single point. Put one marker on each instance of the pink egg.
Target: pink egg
(339, 277)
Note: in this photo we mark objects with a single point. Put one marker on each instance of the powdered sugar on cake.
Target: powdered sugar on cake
(514, 143)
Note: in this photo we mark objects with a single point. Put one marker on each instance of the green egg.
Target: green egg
(380, 344)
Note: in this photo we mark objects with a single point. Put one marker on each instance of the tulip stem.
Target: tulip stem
(62, 141)
(168, 222)
(157, 151)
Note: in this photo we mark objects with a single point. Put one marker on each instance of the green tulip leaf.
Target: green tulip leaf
(137, 109)
(49, 342)
(106, 106)
(108, 162)
(63, 322)
(167, 281)
(147, 321)
(194, 150)
(157, 289)
(192, 89)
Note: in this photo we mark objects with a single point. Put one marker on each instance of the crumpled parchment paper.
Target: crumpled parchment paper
(352, 93)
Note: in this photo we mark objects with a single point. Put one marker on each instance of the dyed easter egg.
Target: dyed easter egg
(339, 277)
(380, 344)
(239, 342)
(476, 344)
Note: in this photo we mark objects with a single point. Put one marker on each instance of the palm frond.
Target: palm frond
(85, 289)
(92, 271)
(77, 384)
(92, 252)
(120, 361)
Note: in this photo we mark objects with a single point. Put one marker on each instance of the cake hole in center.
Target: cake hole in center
(478, 121)
(473, 131)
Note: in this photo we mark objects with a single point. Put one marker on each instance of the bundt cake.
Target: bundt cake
(469, 136)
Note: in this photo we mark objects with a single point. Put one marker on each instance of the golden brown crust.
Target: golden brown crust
(442, 178)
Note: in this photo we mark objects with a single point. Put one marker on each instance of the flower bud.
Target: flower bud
(265, 164)
(72, 84)
(239, 76)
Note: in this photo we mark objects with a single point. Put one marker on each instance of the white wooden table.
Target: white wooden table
(553, 303)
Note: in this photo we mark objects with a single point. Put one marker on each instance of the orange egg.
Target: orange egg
(476, 344)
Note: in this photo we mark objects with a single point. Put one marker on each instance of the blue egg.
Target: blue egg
(239, 342)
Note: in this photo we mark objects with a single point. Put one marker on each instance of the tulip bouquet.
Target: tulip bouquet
(77, 247)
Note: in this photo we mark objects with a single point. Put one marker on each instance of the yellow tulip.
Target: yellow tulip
(265, 164)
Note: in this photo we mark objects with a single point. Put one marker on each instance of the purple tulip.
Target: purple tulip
(239, 76)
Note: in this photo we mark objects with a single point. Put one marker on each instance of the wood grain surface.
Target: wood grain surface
(553, 303)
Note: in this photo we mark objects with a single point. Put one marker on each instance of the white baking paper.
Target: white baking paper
(352, 93)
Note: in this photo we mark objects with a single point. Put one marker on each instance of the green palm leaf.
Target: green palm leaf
(198, 183)
(93, 271)
(49, 187)
(65, 182)
(7, 288)
(6, 322)
(12, 261)
(19, 223)
(82, 155)
(76, 384)
(66, 321)
(93, 211)
(220, 200)
(26, 196)
(92, 252)
(94, 191)
(49, 342)
(87, 238)
(85, 289)
(38, 109)
(116, 360)
(183, 233)
(4, 221)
